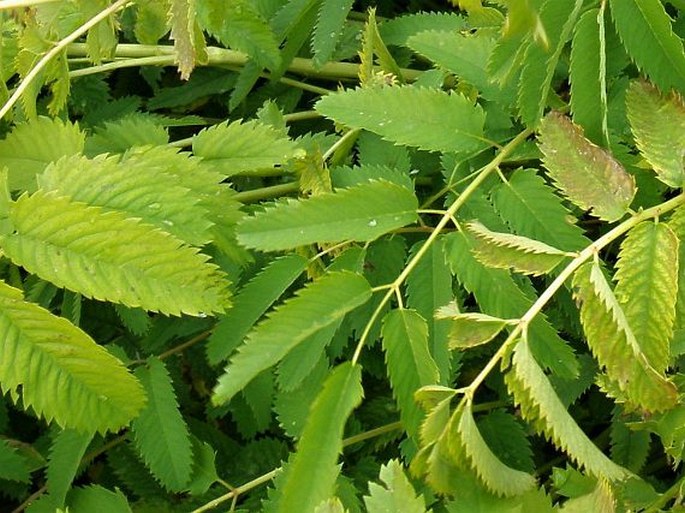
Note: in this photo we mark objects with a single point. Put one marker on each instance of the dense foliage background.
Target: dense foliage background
(341, 256)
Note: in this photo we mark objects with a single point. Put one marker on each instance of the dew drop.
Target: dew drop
(168, 223)
(373, 223)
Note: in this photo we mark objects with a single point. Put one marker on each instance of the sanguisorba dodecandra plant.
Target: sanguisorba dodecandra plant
(239, 239)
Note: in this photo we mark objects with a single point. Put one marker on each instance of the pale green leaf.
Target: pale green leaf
(507, 251)
(12, 466)
(437, 120)
(395, 494)
(159, 432)
(96, 498)
(63, 374)
(587, 174)
(139, 188)
(540, 405)
(315, 461)
(647, 288)
(250, 304)
(329, 27)
(363, 213)
(331, 506)
(31, 146)
(316, 306)
(498, 477)
(185, 34)
(646, 31)
(65, 457)
(658, 125)
(408, 361)
(105, 255)
(615, 346)
(473, 498)
(587, 74)
(473, 329)
(241, 147)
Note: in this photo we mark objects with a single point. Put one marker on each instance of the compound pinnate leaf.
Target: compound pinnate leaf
(63, 374)
(436, 121)
(363, 212)
(658, 125)
(588, 175)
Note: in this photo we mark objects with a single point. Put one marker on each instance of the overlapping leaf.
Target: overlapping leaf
(587, 174)
(187, 36)
(13, 467)
(316, 306)
(97, 498)
(66, 453)
(395, 494)
(473, 329)
(658, 125)
(363, 212)
(507, 251)
(106, 255)
(436, 121)
(613, 341)
(63, 374)
(330, 23)
(160, 433)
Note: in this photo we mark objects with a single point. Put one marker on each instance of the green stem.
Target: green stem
(670, 494)
(13, 4)
(272, 191)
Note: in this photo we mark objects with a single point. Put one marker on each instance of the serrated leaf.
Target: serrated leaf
(540, 405)
(160, 433)
(514, 449)
(629, 447)
(185, 34)
(250, 304)
(408, 361)
(12, 466)
(31, 146)
(241, 147)
(647, 288)
(396, 31)
(127, 132)
(204, 473)
(615, 346)
(507, 251)
(315, 461)
(108, 256)
(97, 498)
(329, 25)
(646, 32)
(587, 174)
(532, 209)
(316, 306)
(65, 457)
(395, 494)
(139, 188)
(151, 20)
(473, 329)
(437, 121)
(344, 176)
(498, 477)
(658, 125)
(362, 213)
(63, 374)
(587, 74)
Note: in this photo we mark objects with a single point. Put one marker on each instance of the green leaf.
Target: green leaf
(587, 74)
(66, 453)
(127, 132)
(250, 304)
(437, 121)
(473, 329)
(241, 147)
(532, 209)
(395, 494)
(151, 20)
(658, 125)
(615, 346)
(329, 27)
(204, 468)
(540, 405)
(506, 251)
(408, 361)
(646, 32)
(315, 462)
(514, 449)
(397, 31)
(344, 176)
(629, 448)
(63, 374)
(498, 477)
(105, 255)
(316, 306)
(647, 288)
(187, 36)
(138, 188)
(160, 433)
(473, 498)
(361, 213)
(12, 466)
(31, 146)
(588, 175)
(97, 498)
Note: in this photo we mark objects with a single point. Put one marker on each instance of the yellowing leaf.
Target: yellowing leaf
(474, 329)
(588, 175)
